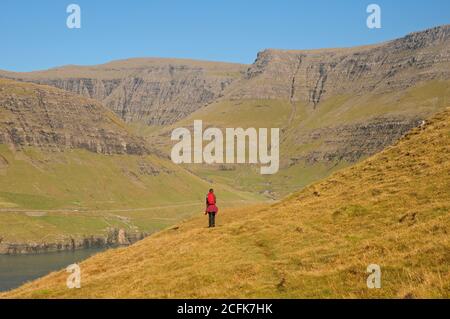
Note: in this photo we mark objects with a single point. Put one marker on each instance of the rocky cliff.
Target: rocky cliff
(37, 115)
(351, 103)
(312, 76)
(351, 142)
(151, 91)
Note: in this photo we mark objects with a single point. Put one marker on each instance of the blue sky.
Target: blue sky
(34, 35)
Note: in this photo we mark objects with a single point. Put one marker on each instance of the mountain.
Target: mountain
(392, 210)
(146, 90)
(335, 107)
(315, 75)
(71, 169)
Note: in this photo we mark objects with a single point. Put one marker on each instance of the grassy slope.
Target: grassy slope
(47, 193)
(83, 193)
(392, 209)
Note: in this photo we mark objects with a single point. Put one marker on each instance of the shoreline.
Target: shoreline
(113, 238)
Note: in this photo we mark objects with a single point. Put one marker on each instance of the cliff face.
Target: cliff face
(151, 91)
(35, 115)
(377, 82)
(351, 142)
(312, 76)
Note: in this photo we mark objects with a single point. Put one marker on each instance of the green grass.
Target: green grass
(29, 200)
(241, 113)
(81, 179)
(82, 193)
(278, 185)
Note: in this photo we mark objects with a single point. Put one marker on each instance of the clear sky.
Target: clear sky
(34, 34)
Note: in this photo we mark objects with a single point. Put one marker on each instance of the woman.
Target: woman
(211, 208)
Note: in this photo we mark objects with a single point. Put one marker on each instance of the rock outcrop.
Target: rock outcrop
(114, 237)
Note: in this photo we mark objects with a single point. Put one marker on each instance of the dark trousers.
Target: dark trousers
(212, 219)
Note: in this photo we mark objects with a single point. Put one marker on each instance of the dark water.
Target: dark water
(18, 269)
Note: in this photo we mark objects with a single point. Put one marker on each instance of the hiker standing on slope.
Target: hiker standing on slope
(211, 208)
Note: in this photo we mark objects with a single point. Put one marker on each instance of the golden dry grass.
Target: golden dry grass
(392, 210)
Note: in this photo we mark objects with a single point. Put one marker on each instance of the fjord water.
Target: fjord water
(16, 270)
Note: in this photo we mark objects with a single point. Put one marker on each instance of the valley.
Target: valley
(67, 183)
(86, 162)
(391, 209)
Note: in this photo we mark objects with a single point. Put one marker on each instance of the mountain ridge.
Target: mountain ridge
(321, 73)
(144, 90)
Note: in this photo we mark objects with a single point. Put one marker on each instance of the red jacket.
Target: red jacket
(211, 203)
